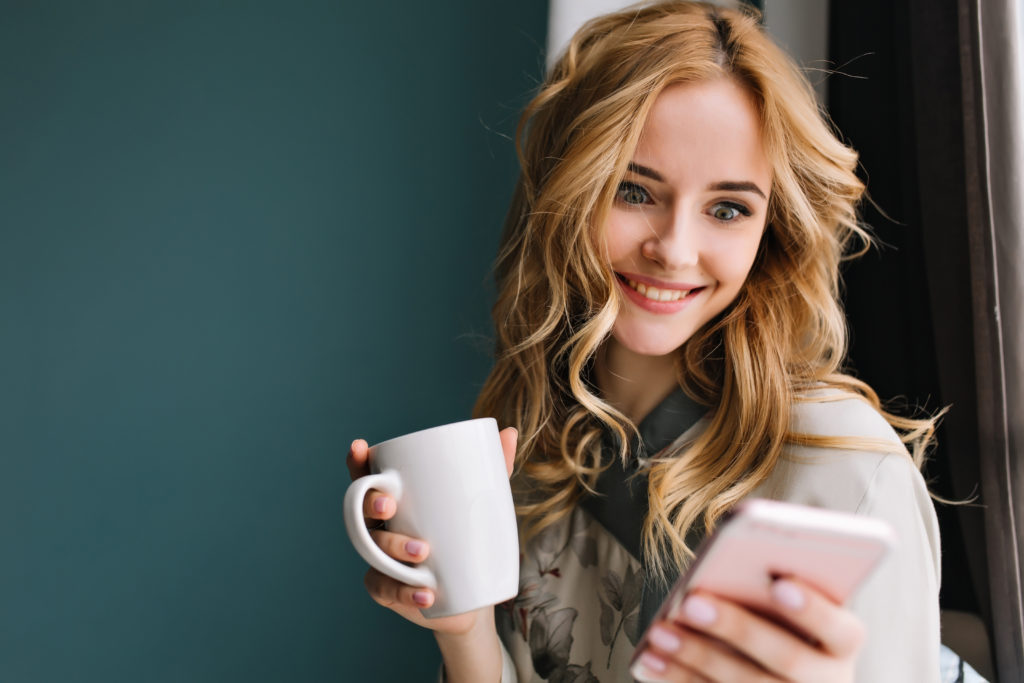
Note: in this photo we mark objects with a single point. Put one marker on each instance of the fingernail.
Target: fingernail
(788, 594)
(380, 505)
(699, 610)
(421, 598)
(663, 639)
(414, 547)
(652, 662)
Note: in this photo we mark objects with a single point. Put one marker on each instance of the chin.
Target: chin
(647, 344)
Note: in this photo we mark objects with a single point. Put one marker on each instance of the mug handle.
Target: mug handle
(388, 482)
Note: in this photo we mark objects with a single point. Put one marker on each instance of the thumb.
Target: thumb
(509, 438)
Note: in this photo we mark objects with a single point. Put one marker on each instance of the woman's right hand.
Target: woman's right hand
(402, 598)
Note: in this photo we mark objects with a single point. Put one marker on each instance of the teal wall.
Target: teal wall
(233, 237)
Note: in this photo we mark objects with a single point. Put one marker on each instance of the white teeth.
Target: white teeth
(655, 294)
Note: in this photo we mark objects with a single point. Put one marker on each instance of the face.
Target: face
(687, 220)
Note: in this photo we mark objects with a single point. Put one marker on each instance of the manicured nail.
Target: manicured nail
(663, 639)
(788, 594)
(421, 598)
(414, 547)
(380, 505)
(652, 662)
(699, 610)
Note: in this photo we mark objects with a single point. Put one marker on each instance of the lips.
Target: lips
(655, 295)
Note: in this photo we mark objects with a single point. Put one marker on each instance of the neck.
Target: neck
(632, 382)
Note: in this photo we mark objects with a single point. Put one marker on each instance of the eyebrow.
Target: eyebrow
(736, 186)
(721, 186)
(644, 171)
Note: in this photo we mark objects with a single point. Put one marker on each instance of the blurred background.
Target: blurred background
(236, 236)
(233, 237)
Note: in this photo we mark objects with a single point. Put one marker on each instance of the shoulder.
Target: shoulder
(840, 414)
(852, 451)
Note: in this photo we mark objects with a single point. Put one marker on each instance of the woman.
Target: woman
(669, 342)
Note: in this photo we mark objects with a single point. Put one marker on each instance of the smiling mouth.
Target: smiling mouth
(656, 293)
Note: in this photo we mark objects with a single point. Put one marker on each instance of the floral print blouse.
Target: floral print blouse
(585, 598)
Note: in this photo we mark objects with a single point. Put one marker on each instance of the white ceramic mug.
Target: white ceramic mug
(452, 490)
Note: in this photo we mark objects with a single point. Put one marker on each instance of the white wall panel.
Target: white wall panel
(800, 26)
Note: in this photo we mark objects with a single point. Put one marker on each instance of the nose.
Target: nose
(674, 245)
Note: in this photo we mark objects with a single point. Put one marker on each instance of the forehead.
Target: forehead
(702, 129)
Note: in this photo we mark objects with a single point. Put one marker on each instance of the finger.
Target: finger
(772, 645)
(836, 629)
(654, 666)
(700, 655)
(400, 546)
(358, 454)
(509, 438)
(396, 595)
(378, 505)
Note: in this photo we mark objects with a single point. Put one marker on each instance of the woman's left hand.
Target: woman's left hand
(714, 639)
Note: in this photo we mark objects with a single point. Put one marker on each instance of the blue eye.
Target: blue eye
(728, 211)
(631, 193)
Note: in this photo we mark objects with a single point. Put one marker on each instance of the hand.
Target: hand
(403, 599)
(714, 639)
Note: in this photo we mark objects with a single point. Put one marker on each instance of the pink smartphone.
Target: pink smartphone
(762, 540)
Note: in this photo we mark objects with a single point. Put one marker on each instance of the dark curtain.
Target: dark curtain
(994, 155)
(924, 307)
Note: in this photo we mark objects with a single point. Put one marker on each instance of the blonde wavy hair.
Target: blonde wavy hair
(557, 300)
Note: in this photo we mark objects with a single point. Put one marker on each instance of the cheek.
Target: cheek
(732, 262)
(620, 238)
(737, 258)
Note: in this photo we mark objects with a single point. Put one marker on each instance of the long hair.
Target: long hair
(557, 300)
